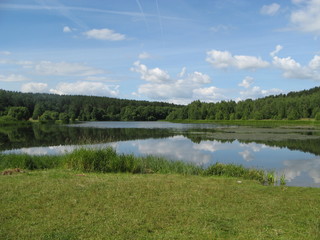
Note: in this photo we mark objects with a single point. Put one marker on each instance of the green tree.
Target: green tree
(64, 118)
(293, 115)
(317, 117)
(19, 113)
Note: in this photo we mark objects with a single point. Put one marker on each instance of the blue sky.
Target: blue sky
(160, 50)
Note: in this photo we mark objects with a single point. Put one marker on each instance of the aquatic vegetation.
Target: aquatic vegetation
(107, 160)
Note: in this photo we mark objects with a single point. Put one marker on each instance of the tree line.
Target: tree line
(291, 106)
(51, 107)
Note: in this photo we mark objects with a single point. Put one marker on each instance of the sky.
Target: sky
(174, 51)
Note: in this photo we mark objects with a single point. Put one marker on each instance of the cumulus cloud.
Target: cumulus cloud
(187, 87)
(208, 94)
(307, 17)
(144, 55)
(246, 82)
(66, 29)
(34, 87)
(64, 69)
(270, 10)
(224, 59)
(12, 78)
(104, 34)
(86, 88)
(155, 75)
(255, 91)
(293, 69)
(276, 51)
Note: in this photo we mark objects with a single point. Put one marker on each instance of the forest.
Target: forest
(291, 106)
(51, 107)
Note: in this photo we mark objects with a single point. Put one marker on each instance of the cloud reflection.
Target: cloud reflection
(295, 168)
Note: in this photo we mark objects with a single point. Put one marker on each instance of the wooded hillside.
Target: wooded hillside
(85, 108)
(292, 106)
(46, 107)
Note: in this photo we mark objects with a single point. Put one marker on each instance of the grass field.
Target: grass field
(66, 204)
(99, 194)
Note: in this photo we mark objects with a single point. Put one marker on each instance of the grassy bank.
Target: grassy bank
(257, 123)
(108, 161)
(68, 204)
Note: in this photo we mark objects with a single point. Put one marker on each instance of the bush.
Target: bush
(317, 117)
(64, 118)
(19, 113)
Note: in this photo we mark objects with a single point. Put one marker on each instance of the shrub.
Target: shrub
(19, 113)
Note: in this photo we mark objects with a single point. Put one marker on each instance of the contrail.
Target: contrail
(160, 22)
(144, 16)
(63, 10)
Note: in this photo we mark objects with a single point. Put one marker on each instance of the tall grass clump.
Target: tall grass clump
(165, 166)
(232, 170)
(100, 160)
(107, 160)
(29, 162)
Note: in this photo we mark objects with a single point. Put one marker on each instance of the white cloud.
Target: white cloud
(270, 10)
(183, 72)
(64, 69)
(104, 34)
(198, 78)
(293, 69)
(257, 92)
(247, 155)
(186, 88)
(246, 82)
(224, 59)
(34, 87)
(13, 78)
(144, 55)
(155, 75)
(307, 18)
(276, 51)
(208, 94)
(5, 53)
(67, 29)
(86, 88)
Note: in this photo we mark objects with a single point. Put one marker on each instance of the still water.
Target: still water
(292, 151)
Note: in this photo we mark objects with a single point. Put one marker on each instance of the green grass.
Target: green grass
(67, 204)
(108, 161)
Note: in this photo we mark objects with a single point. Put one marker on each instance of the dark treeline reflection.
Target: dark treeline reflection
(36, 135)
(51, 135)
(306, 145)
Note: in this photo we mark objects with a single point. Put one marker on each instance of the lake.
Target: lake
(292, 151)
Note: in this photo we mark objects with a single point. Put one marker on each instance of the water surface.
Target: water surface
(294, 152)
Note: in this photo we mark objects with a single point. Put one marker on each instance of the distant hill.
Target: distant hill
(84, 108)
(292, 106)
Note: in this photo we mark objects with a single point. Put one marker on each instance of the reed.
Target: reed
(107, 160)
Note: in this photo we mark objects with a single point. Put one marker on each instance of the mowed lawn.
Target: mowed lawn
(64, 204)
